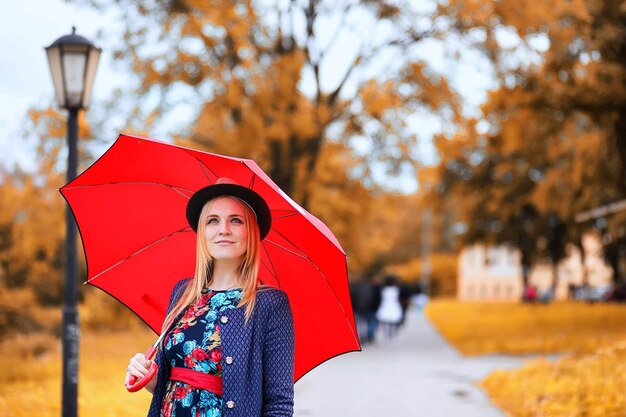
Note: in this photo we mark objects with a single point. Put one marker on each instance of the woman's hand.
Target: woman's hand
(138, 366)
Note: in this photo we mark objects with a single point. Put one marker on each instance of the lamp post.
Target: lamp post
(426, 249)
(73, 62)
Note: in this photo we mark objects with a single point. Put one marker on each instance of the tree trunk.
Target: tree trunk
(282, 166)
(620, 137)
(555, 278)
(583, 266)
(612, 257)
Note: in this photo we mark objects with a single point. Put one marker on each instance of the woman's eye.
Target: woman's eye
(237, 220)
(211, 221)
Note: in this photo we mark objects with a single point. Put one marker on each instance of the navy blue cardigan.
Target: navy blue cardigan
(259, 381)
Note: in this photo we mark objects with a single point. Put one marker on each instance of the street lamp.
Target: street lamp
(73, 62)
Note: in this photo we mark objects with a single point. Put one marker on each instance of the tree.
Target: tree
(552, 134)
(320, 93)
(32, 224)
(259, 75)
(555, 246)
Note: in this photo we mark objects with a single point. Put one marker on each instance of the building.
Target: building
(495, 272)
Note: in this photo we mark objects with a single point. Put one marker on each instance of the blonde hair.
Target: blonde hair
(248, 270)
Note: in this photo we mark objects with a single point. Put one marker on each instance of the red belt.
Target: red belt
(202, 380)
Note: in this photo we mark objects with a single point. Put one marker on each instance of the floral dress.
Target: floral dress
(195, 343)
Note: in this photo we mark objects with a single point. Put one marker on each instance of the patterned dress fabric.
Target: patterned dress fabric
(259, 381)
(195, 343)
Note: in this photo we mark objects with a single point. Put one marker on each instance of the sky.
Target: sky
(28, 26)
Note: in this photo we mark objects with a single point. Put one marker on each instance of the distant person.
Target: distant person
(404, 297)
(547, 296)
(373, 304)
(389, 313)
(572, 290)
(618, 293)
(361, 295)
(419, 298)
(530, 294)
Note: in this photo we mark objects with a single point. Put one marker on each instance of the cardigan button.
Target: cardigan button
(224, 319)
(229, 360)
(230, 404)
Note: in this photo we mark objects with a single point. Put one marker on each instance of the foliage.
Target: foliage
(100, 312)
(552, 135)
(443, 273)
(13, 316)
(592, 385)
(320, 93)
(259, 75)
(590, 381)
(479, 328)
(102, 362)
(32, 231)
(571, 382)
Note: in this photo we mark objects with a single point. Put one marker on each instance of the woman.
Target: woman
(229, 344)
(389, 313)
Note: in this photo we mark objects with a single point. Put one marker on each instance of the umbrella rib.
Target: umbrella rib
(332, 290)
(295, 213)
(345, 316)
(137, 252)
(271, 270)
(251, 179)
(162, 184)
(251, 183)
(271, 264)
(189, 152)
(301, 256)
(203, 166)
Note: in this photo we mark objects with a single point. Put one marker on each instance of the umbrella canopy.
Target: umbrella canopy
(130, 210)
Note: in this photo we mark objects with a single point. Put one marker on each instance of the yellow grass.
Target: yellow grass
(32, 386)
(590, 382)
(592, 385)
(514, 328)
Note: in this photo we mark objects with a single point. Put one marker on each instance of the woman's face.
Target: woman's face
(226, 233)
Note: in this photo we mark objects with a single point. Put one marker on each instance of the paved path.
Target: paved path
(417, 374)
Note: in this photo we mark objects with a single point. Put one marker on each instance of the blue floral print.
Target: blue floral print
(195, 343)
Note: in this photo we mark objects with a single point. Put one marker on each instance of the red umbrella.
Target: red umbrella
(130, 210)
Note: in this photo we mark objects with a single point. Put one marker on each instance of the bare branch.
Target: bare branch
(311, 15)
(339, 29)
(362, 59)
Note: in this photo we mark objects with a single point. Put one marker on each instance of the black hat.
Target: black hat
(227, 187)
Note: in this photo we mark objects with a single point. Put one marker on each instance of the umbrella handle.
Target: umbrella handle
(135, 383)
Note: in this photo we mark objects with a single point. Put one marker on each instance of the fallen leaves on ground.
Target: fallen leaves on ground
(590, 380)
(31, 386)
